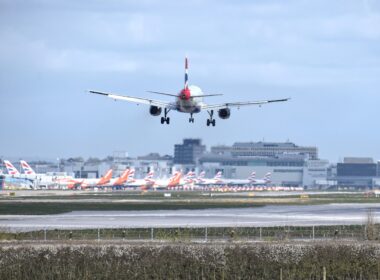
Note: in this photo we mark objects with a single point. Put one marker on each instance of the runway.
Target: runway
(331, 214)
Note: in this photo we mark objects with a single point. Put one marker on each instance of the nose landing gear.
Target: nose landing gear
(191, 119)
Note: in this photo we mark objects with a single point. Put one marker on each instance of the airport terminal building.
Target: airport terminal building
(289, 164)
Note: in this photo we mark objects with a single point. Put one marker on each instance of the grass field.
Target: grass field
(47, 203)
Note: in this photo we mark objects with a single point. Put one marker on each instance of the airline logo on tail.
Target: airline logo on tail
(218, 177)
(10, 168)
(131, 176)
(190, 177)
(149, 178)
(201, 177)
(267, 177)
(252, 177)
(26, 167)
(106, 178)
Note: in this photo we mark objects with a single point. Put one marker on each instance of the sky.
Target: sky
(323, 54)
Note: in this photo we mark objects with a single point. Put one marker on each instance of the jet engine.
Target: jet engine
(155, 111)
(224, 113)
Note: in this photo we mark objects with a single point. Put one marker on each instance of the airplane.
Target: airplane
(94, 182)
(247, 181)
(170, 183)
(217, 180)
(122, 179)
(189, 100)
(264, 181)
(147, 182)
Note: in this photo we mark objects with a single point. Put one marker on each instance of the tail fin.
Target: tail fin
(131, 175)
(149, 178)
(149, 175)
(106, 178)
(186, 74)
(26, 167)
(123, 177)
(175, 179)
(202, 175)
(267, 177)
(218, 175)
(10, 168)
(252, 177)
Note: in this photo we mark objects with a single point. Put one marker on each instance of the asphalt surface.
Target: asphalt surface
(330, 214)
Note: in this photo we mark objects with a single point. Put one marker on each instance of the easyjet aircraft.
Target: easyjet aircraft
(188, 100)
(92, 182)
(120, 181)
(172, 182)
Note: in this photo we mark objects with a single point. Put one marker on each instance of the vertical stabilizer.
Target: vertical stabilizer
(26, 167)
(10, 168)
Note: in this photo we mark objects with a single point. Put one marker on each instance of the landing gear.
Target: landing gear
(211, 120)
(191, 119)
(165, 118)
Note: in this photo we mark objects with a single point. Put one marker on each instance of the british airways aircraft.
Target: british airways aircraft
(189, 100)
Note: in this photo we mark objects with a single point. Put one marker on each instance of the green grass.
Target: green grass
(126, 201)
(45, 208)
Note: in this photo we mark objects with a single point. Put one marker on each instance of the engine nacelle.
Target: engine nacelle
(224, 113)
(155, 111)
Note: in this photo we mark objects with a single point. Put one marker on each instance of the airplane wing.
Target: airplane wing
(137, 100)
(239, 104)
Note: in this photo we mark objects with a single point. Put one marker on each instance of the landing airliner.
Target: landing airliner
(189, 100)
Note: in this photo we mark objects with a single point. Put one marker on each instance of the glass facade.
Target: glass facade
(354, 169)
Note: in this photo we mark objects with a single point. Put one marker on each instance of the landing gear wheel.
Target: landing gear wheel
(191, 120)
(165, 118)
(211, 120)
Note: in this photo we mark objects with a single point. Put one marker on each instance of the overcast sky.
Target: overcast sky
(323, 54)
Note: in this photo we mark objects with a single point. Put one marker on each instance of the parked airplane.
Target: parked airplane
(264, 181)
(248, 181)
(172, 182)
(217, 180)
(120, 181)
(188, 100)
(94, 182)
(147, 182)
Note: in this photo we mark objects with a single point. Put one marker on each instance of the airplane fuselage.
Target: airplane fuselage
(186, 103)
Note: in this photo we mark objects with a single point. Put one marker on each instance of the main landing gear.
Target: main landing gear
(165, 118)
(191, 119)
(211, 120)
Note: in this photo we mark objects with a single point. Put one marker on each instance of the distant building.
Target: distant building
(357, 172)
(189, 151)
(264, 149)
(289, 164)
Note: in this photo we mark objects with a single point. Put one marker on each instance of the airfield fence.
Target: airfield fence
(202, 234)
